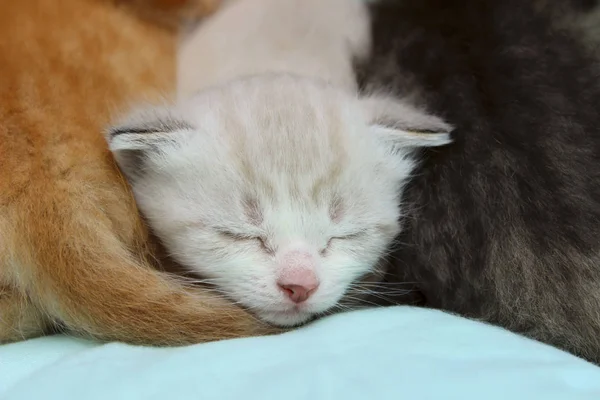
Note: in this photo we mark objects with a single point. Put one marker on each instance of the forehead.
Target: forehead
(276, 105)
(285, 133)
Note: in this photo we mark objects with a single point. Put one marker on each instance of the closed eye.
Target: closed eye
(239, 237)
(332, 240)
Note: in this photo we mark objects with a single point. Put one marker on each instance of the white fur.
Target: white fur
(313, 38)
(272, 138)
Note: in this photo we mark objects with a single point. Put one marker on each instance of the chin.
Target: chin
(286, 319)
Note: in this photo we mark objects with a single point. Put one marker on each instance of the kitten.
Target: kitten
(282, 190)
(504, 225)
(276, 182)
(73, 250)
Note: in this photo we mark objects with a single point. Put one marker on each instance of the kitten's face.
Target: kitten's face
(276, 189)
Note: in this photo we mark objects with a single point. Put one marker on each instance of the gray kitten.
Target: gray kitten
(504, 225)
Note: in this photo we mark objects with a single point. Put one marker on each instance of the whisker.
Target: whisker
(383, 283)
(360, 300)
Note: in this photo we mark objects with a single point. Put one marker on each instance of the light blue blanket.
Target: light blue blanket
(395, 353)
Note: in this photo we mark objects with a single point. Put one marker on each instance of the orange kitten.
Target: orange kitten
(72, 246)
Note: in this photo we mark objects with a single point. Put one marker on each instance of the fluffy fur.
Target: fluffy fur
(312, 38)
(504, 225)
(275, 171)
(73, 250)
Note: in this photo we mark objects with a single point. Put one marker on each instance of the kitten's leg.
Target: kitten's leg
(545, 305)
(579, 331)
(19, 318)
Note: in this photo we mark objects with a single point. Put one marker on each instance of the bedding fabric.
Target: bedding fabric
(394, 353)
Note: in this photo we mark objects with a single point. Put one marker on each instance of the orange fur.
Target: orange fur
(73, 250)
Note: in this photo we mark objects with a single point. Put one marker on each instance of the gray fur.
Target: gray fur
(504, 224)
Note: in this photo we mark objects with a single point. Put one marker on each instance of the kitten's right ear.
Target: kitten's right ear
(399, 125)
(144, 133)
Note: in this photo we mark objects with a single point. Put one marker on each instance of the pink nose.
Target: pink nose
(298, 284)
(297, 293)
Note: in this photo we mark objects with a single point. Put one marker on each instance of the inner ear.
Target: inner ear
(400, 138)
(143, 133)
(137, 140)
(400, 124)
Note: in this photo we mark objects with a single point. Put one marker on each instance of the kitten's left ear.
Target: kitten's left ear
(400, 125)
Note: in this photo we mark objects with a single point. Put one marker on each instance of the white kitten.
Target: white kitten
(275, 181)
(281, 189)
